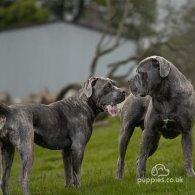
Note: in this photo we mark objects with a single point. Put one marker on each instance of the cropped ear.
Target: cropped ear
(165, 66)
(88, 86)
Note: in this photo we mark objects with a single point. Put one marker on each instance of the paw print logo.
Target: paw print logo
(160, 170)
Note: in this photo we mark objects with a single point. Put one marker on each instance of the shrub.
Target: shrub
(21, 13)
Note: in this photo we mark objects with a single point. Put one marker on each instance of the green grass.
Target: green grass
(99, 167)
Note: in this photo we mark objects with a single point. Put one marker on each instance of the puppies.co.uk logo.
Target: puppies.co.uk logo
(160, 174)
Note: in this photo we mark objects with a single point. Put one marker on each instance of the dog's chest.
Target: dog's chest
(167, 107)
(167, 123)
(167, 110)
(168, 119)
(169, 128)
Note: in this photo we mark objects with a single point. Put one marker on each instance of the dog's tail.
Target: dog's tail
(4, 112)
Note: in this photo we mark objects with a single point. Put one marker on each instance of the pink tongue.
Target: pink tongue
(112, 110)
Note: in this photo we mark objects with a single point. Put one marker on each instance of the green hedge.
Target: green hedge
(21, 13)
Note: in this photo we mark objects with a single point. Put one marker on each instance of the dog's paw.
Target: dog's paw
(119, 176)
(140, 174)
(190, 173)
(69, 185)
(120, 169)
(77, 185)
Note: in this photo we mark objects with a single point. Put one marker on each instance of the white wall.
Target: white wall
(51, 55)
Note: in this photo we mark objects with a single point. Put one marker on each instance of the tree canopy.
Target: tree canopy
(21, 13)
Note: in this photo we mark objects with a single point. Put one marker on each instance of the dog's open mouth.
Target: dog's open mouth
(113, 110)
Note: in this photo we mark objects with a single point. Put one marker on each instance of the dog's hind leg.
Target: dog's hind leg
(25, 149)
(7, 153)
(125, 135)
(67, 160)
(26, 155)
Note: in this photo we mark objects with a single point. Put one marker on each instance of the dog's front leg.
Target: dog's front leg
(77, 157)
(187, 151)
(147, 143)
(67, 160)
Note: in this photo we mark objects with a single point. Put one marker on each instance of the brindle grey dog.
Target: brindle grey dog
(162, 103)
(64, 125)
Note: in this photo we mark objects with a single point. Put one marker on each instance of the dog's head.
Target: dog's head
(104, 93)
(149, 75)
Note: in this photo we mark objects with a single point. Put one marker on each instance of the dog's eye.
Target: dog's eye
(143, 75)
(155, 63)
(108, 86)
(113, 83)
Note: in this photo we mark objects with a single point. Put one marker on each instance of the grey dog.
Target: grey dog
(64, 125)
(161, 103)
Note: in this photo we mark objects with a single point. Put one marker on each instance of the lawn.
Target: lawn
(99, 167)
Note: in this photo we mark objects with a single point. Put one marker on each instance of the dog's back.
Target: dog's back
(134, 110)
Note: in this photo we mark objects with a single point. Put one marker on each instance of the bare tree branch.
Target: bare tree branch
(107, 28)
(114, 66)
(100, 50)
(121, 79)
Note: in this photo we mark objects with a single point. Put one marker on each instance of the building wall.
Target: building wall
(51, 55)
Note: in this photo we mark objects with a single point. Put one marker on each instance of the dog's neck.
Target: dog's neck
(174, 87)
(163, 92)
(93, 108)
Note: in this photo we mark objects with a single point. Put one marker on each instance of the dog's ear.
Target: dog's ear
(164, 65)
(88, 86)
